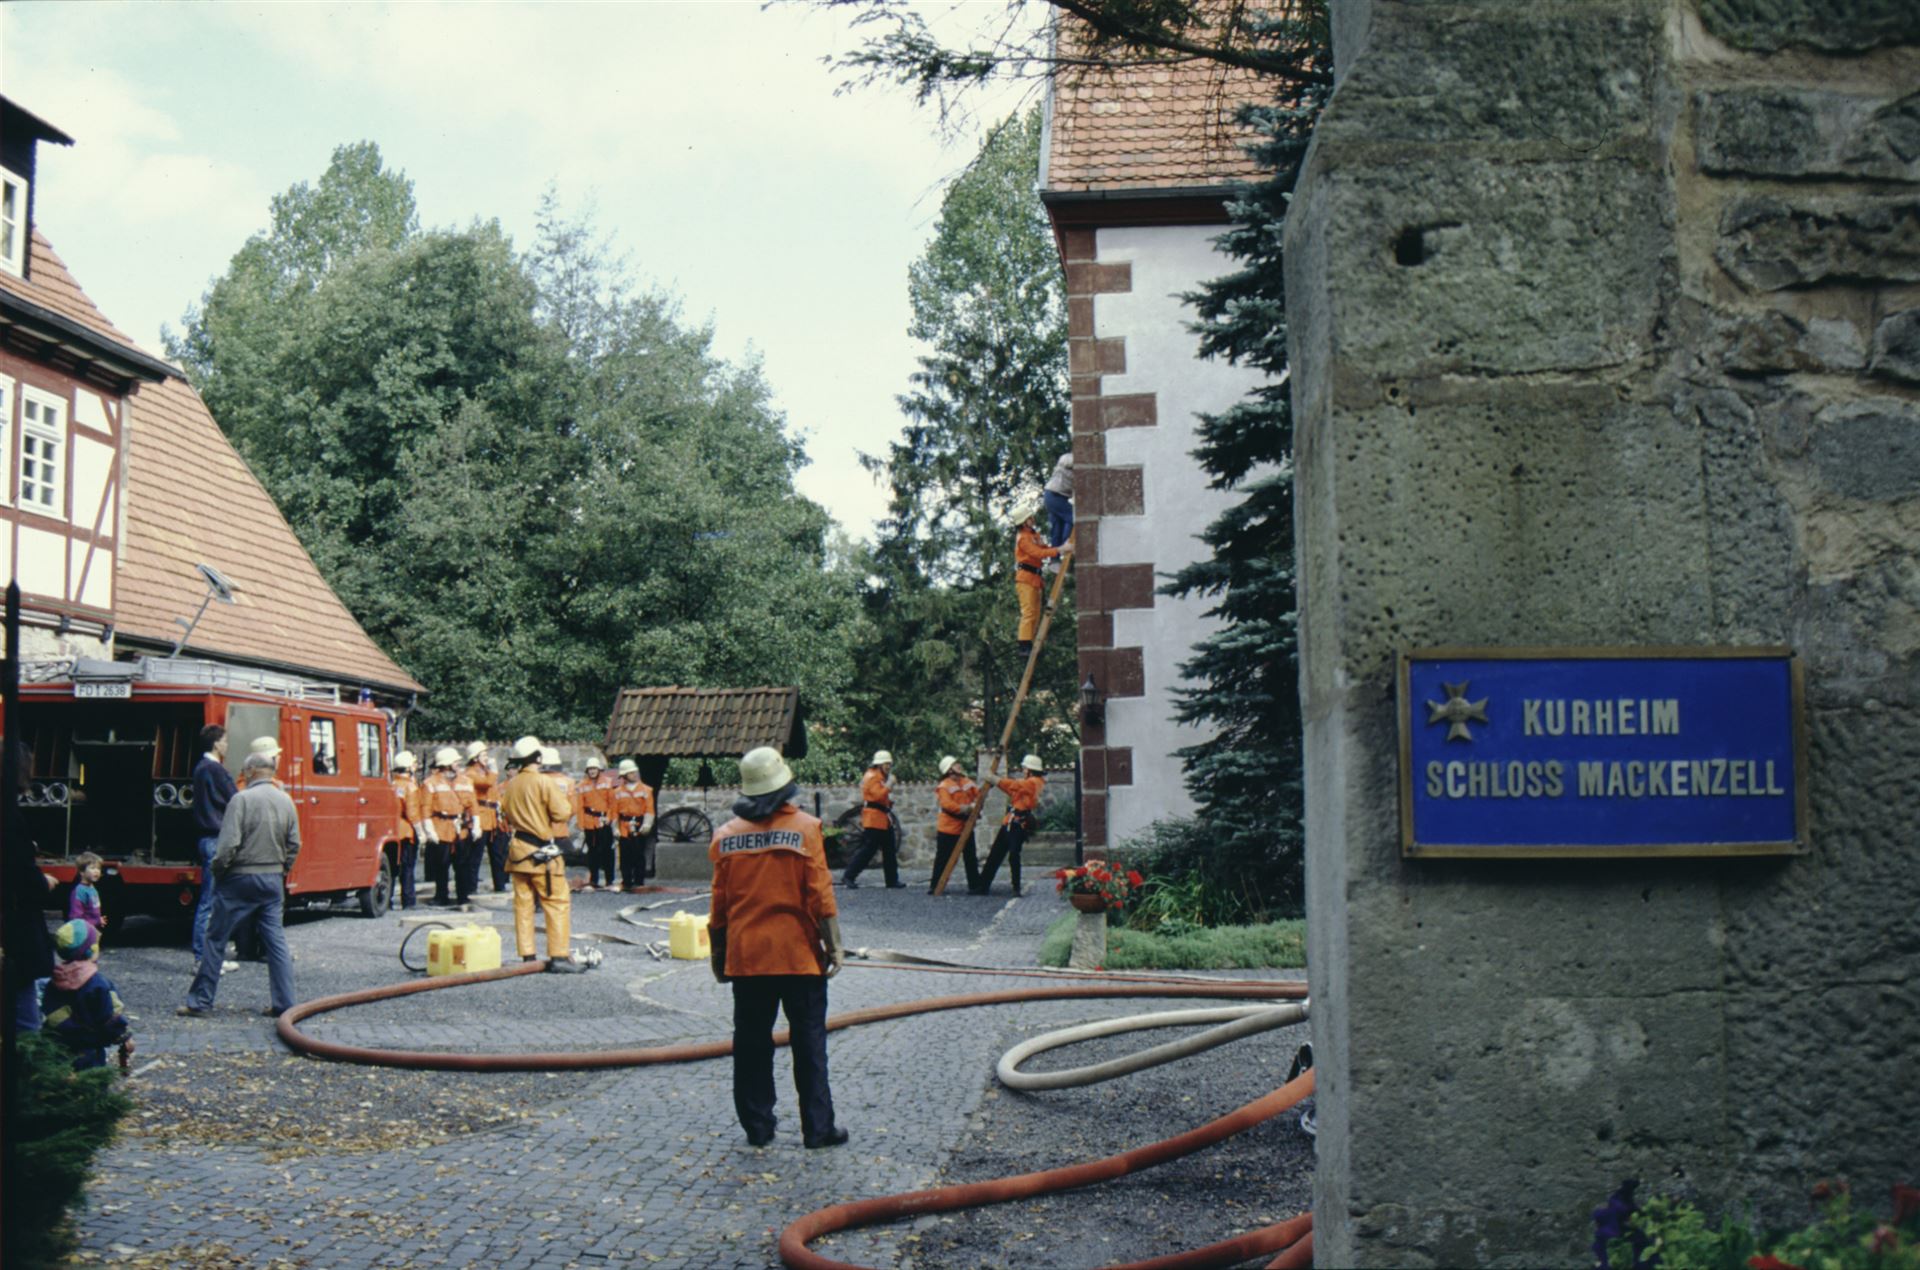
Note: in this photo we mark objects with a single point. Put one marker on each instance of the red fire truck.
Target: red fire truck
(111, 749)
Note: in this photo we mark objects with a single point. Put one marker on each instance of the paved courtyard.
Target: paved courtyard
(243, 1154)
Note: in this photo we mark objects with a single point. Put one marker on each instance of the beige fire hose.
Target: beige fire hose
(1236, 1021)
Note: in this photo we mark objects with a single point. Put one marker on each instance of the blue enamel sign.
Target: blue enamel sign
(1534, 752)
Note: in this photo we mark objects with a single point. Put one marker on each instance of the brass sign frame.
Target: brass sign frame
(1412, 850)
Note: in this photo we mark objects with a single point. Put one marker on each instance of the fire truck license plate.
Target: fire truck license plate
(83, 691)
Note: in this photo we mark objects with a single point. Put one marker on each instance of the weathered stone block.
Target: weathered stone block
(1492, 268)
(1437, 72)
(1774, 343)
(1869, 449)
(1896, 347)
(1789, 132)
(1770, 243)
(1768, 25)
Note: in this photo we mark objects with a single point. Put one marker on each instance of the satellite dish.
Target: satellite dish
(217, 583)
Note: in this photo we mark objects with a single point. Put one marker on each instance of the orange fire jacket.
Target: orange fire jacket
(1023, 793)
(447, 799)
(1030, 549)
(771, 892)
(406, 795)
(593, 800)
(631, 803)
(956, 795)
(481, 777)
(873, 789)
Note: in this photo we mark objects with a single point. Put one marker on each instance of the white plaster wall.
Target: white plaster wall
(1162, 358)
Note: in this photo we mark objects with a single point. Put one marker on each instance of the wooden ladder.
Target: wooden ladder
(1013, 719)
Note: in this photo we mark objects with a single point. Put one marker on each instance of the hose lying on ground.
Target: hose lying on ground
(794, 1239)
(1237, 1021)
(945, 1199)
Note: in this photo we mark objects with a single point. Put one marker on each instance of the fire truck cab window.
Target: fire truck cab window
(326, 759)
(372, 761)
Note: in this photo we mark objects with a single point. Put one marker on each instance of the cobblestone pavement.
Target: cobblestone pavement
(244, 1155)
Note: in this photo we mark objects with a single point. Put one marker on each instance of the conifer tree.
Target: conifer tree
(1244, 679)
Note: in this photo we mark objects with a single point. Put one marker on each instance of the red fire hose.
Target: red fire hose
(1292, 1239)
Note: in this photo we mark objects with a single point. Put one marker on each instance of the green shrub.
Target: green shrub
(65, 1117)
(1672, 1235)
(1194, 879)
(1279, 944)
(1059, 816)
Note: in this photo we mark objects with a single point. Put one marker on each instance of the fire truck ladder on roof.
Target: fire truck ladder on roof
(1013, 720)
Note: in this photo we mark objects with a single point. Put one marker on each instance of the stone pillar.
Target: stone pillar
(1603, 327)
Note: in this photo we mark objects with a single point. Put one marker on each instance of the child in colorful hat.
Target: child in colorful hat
(81, 1009)
(84, 902)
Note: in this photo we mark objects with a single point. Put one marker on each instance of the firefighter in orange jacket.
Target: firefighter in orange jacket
(633, 822)
(1023, 795)
(956, 795)
(531, 804)
(452, 812)
(593, 804)
(877, 830)
(776, 939)
(1030, 551)
(486, 790)
(406, 795)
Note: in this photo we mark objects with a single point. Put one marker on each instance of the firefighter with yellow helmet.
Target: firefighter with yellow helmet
(408, 813)
(486, 788)
(531, 804)
(1023, 796)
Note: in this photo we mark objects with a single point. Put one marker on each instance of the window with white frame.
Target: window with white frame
(13, 223)
(6, 435)
(43, 443)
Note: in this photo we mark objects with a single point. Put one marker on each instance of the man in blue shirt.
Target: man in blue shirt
(213, 789)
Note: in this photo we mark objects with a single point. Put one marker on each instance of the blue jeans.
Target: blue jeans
(237, 898)
(205, 907)
(1059, 516)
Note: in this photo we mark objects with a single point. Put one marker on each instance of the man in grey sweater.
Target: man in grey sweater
(258, 842)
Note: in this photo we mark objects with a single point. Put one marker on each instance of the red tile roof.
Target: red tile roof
(49, 285)
(705, 722)
(191, 500)
(1147, 127)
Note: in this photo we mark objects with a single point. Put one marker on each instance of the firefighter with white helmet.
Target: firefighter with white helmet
(1023, 796)
(531, 803)
(776, 938)
(633, 820)
(878, 831)
(452, 813)
(1030, 551)
(593, 805)
(956, 793)
(409, 812)
(480, 773)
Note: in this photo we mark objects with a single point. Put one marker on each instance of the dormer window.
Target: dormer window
(13, 223)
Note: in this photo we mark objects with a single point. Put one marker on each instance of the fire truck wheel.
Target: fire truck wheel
(375, 899)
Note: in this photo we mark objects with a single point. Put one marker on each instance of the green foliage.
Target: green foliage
(531, 484)
(65, 1118)
(1190, 879)
(1279, 944)
(1673, 1235)
(1244, 678)
(986, 418)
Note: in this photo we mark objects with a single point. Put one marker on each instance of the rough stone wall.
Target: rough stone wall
(1606, 323)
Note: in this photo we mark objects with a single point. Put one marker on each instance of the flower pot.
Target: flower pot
(1088, 903)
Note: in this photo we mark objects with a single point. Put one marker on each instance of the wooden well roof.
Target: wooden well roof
(705, 722)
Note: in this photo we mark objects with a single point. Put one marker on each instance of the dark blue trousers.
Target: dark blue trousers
(757, 999)
(882, 841)
(409, 862)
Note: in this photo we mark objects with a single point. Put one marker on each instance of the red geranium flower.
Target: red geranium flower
(1767, 1261)
(1906, 1202)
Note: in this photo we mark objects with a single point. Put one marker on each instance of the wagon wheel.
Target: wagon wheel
(850, 818)
(684, 824)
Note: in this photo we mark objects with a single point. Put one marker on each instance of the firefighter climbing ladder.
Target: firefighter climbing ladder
(1013, 720)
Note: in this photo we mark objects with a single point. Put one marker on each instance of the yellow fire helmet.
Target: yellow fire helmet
(948, 763)
(882, 758)
(1033, 764)
(476, 750)
(526, 747)
(629, 768)
(404, 761)
(446, 756)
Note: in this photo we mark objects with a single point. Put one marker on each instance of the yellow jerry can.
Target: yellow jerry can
(687, 936)
(463, 950)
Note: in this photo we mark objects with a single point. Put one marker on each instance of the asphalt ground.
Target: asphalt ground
(243, 1154)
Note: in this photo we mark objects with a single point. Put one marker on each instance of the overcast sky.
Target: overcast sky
(706, 136)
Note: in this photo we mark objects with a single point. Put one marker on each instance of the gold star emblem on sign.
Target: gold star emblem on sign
(1457, 711)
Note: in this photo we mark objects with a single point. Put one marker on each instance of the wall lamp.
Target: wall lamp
(1093, 703)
